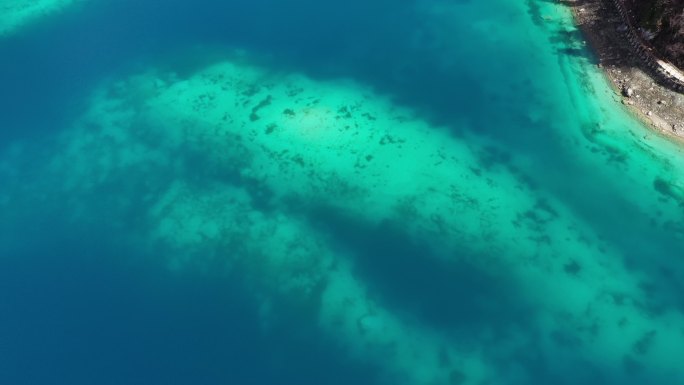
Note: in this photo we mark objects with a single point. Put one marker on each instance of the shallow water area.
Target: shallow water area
(375, 192)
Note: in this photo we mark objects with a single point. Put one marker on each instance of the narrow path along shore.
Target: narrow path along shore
(646, 84)
(667, 73)
(671, 70)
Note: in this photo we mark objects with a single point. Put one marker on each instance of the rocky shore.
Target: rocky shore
(656, 104)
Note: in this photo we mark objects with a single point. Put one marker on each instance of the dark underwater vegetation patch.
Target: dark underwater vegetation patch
(668, 190)
(445, 291)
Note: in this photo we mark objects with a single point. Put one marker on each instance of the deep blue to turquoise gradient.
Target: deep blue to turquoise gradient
(71, 312)
(82, 311)
(80, 306)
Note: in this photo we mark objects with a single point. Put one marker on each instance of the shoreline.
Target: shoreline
(657, 106)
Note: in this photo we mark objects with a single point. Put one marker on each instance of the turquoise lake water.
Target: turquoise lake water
(413, 192)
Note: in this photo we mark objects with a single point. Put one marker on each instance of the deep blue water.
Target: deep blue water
(78, 308)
